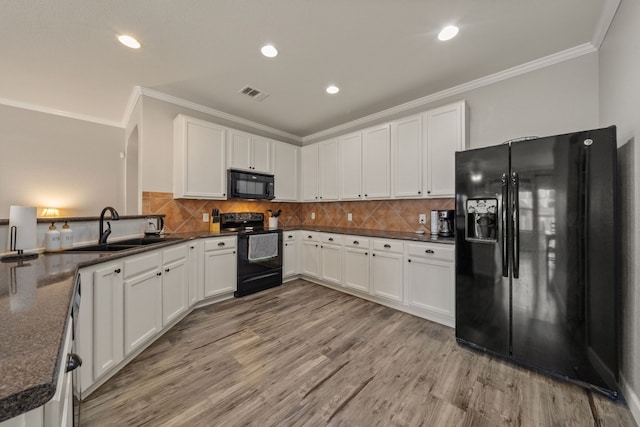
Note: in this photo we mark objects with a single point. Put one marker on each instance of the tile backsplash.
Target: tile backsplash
(396, 215)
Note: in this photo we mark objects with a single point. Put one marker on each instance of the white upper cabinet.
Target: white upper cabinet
(248, 152)
(285, 170)
(377, 162)
(445, 129)
(328, 170)
(351, 166)
(309, 173)
(199, 169)
(406, 144)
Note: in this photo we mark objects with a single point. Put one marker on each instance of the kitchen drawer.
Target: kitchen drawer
(219, 243)
(313, 236)
(425, 250)
(136, 265)
(356, 242)
(289, 236)
(174, 253)
(388, 246)
(332, 239)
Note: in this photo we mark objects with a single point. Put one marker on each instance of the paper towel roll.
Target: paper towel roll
(24, 219)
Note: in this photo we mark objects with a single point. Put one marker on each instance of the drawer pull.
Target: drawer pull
(159, 273)
(221, 244)
(310, 237)
(355, 242)
(409, 260)
(429, 251)
(289, 236)
(386, 245)
(166, 270)
(117, 271)
(192, 247)
(331, 239)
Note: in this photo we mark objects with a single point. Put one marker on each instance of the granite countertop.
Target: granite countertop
(35, 305)
(402, 235)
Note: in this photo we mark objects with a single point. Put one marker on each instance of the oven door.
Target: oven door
(254, 276)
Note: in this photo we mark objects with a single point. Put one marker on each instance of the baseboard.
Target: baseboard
(633, 401)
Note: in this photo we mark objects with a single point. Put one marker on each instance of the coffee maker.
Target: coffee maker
(446, 225)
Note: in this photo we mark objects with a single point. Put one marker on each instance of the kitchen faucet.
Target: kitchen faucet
(105, 233)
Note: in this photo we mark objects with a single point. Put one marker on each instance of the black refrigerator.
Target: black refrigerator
(537, 276)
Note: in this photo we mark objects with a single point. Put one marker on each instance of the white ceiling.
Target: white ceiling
(63, 54)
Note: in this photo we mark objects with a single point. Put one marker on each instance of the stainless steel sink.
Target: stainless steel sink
(122, 245)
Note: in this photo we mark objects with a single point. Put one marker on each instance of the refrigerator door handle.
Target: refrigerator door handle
(515, 186)
(505, 232)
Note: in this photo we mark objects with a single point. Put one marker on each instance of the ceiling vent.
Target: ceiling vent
(253, 93)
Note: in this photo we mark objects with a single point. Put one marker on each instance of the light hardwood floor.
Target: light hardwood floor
(302, 354)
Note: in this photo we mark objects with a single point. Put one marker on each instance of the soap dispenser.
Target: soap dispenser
(52, 239)
(66, 237)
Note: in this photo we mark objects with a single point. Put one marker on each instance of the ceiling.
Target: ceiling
(63, 54)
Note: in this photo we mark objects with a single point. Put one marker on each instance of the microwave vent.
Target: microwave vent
(253, 93)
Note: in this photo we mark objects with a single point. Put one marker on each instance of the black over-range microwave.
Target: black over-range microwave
(249, 185)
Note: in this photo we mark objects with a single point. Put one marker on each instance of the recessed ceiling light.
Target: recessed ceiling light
(269, 51)
(129, 41)
(332, 90)
(448, 33)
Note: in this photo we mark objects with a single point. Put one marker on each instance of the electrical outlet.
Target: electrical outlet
(422, 218)
(349, 217)
(313, 215)
(205, 217)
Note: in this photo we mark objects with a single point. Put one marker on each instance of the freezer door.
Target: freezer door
(482, 282)
(563, 287)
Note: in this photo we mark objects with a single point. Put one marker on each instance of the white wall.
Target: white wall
(620, 105)
(54, 161)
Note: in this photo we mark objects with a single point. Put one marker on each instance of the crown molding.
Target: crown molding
(527, 67)
(61, 113)
(609, 9)
(216, 113)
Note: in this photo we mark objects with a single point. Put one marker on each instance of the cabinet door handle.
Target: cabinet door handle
(159, 273)
(166, 270)
(428, 191)
(386, 245)
(286, 244)
(366, 253)
(117, 271)
(359, 195)
(311, 237)
(365, 195)
(290, 236)
(73, 362)
(221, 244)
(192, 247)
(330, 239)
(373, 254)
(316, 245)
(419, 192)
(234, 252)
(429, 251)
(355, 242)
(409, 260)
(321, 246)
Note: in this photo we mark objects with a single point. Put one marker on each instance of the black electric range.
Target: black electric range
(259, 252)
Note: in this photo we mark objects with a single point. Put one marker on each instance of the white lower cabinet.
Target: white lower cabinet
(220, 266)
(290, 248)
(108, 306)
(430, 279)
(175, 283)
(356, 263)
(310, 254)
(416, 277)
(387, 269)
(142, 299)
(331, 258)
(194, 272)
